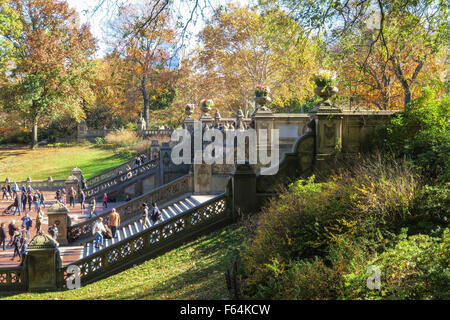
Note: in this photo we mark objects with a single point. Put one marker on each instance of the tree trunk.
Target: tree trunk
(34, 134)
(146, 102)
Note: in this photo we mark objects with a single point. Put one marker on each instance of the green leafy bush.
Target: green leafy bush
(416, 268)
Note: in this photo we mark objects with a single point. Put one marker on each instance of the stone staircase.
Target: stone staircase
(170, 211)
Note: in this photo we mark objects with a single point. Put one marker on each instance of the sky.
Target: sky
(100, 19)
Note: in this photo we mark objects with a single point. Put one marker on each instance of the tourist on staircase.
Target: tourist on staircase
(17, 204)
(58, 195)
(27, 223)
(114, 222)
(156, 214)
(144, 221)
(105, 200)
(97, 231)
(72, 197)
(36, 200)
(29, 200)
(42, 199)
(39, 217)
(82, 199)
(53, 231)
(23, 199)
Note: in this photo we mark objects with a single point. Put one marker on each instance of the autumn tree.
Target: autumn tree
(397, 37)
(52, 67)
(241, 48)
(145, 49)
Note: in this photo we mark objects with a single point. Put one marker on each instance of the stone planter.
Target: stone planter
(189, 109)
(326, 93)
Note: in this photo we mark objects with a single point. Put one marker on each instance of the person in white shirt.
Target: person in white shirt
(97, 231)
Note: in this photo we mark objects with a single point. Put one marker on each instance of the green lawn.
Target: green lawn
(39, 164)
(192, 271)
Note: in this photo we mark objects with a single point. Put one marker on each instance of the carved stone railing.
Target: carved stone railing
(43, 185)
(12, 279)
(147, 168)
(153, 241)
(113, 172)
(156, 132)
(133, 208)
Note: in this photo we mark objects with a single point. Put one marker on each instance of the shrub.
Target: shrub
(370, 201)
(124, 153)
(99, 141)
(416, 268)
(122, 138)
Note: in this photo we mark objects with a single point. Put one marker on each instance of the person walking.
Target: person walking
(82, 199)
(145, 221)
(5, 193)
(63, 196)
(39, 217)
(29, 200)
(114, 222)
(15, 187)
(24, 197)
(156, 214)
(16, 243)
(72, 197)
(12, 228)
(2, 235)
(27, 223)
(53, 231)
(42, 199)
(105, 200)
(36, 200)
(17, 204)
(92, 205)
(58, 195)
(97, 231)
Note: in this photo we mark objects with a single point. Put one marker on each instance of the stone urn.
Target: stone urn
(261, 103)
(326, 93)
(189, 109)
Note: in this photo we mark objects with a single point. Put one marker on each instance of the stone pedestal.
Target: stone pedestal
(76, 172)
(244, 190)
(329, 124)
(41, 263)
(202, 178)
(59, 214)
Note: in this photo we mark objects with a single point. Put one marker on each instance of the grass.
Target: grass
(18, 163)
(192, 271)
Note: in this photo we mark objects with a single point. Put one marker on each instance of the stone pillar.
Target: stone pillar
(154, 149)
(59, 214)
(41, 263)
(328, 135)
(164, 162)
(217, 119)
(76, 172)
(202, 178)
(71, 181)
(244, 199)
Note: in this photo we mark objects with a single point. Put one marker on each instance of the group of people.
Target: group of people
(108, 230)
(23, 198)
(140, 160)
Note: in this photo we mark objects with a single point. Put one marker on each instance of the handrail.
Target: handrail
(44, 185)
(113, 172)
(133, 208)
(12, 279)
(151, 240)
(151, 165)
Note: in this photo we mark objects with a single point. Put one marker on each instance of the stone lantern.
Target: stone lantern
(41, 263)
(58, 214)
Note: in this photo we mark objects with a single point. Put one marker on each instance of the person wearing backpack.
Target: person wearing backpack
(36, 200)
(156, 214)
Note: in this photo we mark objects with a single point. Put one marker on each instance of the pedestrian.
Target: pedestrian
(105, 200)
(63, 196)
(92, 205)
(17, 204)
(30, 188)
(29, 200)
(9, 190)
(145, 220)
(39, 217)
(42, 199)
(27, 223)
(82, 199)
(5, 193)
(156, 214)
(114, 222)
(2, 235)
(58, 195)
(97, 231)
(72, 197)
(24, 198)
(15, 187)
(84, 184)
(16, 242)
(12, 228)
(36, 200)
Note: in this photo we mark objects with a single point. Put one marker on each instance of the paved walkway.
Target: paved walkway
(77, 215)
